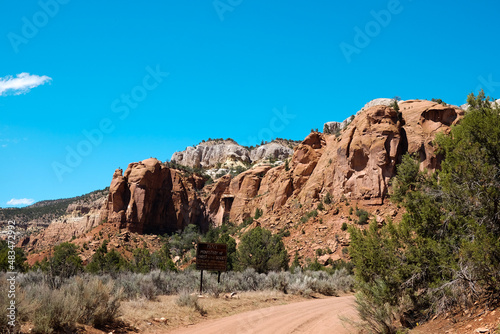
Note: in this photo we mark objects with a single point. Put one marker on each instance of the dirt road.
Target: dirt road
(314, 316)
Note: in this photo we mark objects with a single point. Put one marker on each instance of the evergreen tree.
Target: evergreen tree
(65, 261)
(263, 251)
(446, 250)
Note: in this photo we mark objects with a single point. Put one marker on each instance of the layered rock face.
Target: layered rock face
(61, 230)
(357, 165)
(228, 153)
(271, 150)
(211, 153)
(152, 198)
(81, 216)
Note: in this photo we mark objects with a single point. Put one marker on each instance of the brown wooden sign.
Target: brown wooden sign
(211, 256)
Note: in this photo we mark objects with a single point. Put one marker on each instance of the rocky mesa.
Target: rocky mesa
(353, 165)
(356, 165)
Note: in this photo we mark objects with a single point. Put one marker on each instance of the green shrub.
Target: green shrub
(261, 250)
(258, 213)
(17, 259)
(65, 261)
(362, 216)
(328, 198)
(232, 258)
(320, 206)
(247, 221)
(344, 226)
(309, 215)
(285, 232)
(295, 263)
(314, 265)
(183, 242)
(376, 317)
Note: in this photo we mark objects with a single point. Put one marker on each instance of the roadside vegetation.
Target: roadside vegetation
(60, 292)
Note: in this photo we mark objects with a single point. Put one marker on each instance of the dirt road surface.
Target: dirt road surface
(316, 316)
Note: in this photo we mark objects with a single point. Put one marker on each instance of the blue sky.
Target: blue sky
(128, 80)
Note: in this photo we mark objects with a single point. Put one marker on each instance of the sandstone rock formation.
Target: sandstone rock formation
(377, 102)
(211, 153)
(422, 121)
(358, 165)
(81, 216)
(354, 165)
(61, 230)
(331, 128)
(336, 127)
(152, 198)
(272, 150)
(227, 153)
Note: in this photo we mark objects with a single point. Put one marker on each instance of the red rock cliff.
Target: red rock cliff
(357, 165)
(152, 198)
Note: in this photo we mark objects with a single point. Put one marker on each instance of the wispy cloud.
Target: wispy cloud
(21, 201)
(8, 141)
(21, 84)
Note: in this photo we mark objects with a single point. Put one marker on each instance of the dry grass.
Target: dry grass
(142, 313)
(54, 304)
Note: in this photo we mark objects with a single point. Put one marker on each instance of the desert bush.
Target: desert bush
(22, 307)
(86, 300)
(376, 318)
(107, 262)
(183, 242)
(147, 288)
(94, 299)
(328, 198)
(258, 213)
(65, 261)
(309, 215)
(261, 250)
(17, 258)
(188, 300)
(362, 216)
(295, 263)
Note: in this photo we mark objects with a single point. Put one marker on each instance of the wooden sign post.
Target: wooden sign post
(210, 256)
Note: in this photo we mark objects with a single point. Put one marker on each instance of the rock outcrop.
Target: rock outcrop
(335, 127)
(61, 230)
(422, 121)
(211, 153)
(82, 215)
(228, 154)
(357, 165)
(271, 150)
(152, 198)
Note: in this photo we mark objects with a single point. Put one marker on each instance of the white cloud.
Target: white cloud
(21, 84)
(21, 201)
